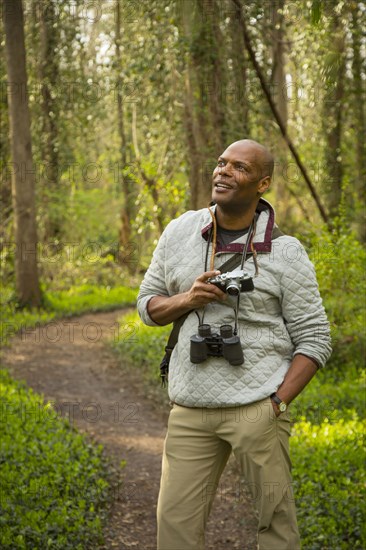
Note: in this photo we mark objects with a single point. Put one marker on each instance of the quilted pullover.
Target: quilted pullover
(282, 317)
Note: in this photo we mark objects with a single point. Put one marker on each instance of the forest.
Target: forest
(113, 114)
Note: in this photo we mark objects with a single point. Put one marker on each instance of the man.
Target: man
(221, 406)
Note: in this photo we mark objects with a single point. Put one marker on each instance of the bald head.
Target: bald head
(262, 157)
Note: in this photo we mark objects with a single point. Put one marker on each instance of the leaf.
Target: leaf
(316, 12)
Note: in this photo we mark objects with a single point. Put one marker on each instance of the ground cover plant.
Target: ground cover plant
(53, 481)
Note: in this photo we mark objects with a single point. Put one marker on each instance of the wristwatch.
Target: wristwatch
(281, 404)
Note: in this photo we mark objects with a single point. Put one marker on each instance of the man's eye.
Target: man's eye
(220, 163)
(240, 168)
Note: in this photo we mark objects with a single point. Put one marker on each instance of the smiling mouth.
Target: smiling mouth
(222, 185)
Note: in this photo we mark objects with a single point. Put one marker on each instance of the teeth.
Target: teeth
(222, 185)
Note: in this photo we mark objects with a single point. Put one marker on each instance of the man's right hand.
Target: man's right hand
(202, 292)
(166, 309)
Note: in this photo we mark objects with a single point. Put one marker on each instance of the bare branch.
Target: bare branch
(277, 117)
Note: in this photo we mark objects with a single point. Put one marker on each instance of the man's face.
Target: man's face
(239, 179)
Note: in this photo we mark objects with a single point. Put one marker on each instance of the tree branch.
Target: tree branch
(277, 117)
(149, 182)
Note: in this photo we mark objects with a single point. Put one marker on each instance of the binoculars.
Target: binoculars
(224, 344)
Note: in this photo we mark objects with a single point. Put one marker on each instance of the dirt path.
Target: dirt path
(69, 362)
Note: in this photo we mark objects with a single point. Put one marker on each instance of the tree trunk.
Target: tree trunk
(278, 78)
(5, 176)
(23, 178)
(199, 193)
(359, 120)
(48, 75)
(238, 89)
(333, 115)
(150, 182)
(205, 122)
(211, 69)
(279, 94)
(127, 208)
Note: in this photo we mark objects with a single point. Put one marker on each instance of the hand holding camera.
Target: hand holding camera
(233, 282)
(202, 293)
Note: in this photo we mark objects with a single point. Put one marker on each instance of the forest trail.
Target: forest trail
(70, 363)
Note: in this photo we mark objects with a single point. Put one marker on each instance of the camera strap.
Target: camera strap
(229, 265)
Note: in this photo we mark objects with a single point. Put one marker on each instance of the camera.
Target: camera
(224, 344)
(233, 282)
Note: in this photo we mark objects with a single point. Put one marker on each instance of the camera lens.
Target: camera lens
(233, 288)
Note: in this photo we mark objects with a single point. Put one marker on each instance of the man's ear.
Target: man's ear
(264, 184)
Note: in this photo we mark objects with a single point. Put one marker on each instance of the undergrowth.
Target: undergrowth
(54, 485)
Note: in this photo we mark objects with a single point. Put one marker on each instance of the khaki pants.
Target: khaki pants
(197, 447)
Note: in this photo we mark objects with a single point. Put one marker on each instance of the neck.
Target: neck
(234, 220)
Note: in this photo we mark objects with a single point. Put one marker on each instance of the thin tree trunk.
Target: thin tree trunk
(48, 74)
(278, 78)
(359, 119)
(333, 160)
(359, 100)
(23, 179)
(5, 176)
(151, 183)
(193, 130)
(237, 89)
(127, 208)
(199, 194)
(205, 122)
(332, 116)
(121, 128)
(279, 95)
(213, 85)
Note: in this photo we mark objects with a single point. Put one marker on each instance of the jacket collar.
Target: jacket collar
(263, 237)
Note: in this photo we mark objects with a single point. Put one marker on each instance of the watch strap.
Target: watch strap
(275, 398)
(281, 404)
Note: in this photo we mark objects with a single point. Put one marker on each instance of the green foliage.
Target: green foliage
(329, 483)
(142, 344)
(331, 398)
(92, 214)
(61, 303)
(315, 11)
(328, 456)
(340, 262)
(327, 444)
(89, 298)
(53, 485)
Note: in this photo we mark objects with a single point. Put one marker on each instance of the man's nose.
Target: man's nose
(226, 169)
